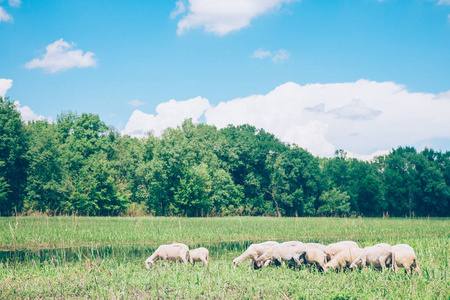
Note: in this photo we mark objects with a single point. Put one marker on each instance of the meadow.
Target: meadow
(103, 257)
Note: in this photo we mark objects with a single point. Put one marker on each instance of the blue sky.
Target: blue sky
(231, 51)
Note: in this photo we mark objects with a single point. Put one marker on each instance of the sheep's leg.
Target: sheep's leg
(383, 263)
(408, 270)
(416, 267)
(205, 262)
(184, 261)
(297, 262)
(363, 263)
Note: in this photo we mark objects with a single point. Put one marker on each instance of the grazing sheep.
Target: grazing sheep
(173, 252)
(317, 245)
(253, 252)
(406, 258)
(284, 251)
(344, 259)
(333, 249)
(314, 255)
(378, 256)
(199, 254)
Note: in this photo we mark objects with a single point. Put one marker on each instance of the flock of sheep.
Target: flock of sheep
(337, 256)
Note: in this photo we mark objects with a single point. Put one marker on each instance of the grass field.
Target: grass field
(89, 257)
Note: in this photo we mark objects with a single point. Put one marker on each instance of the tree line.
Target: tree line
(79, 165)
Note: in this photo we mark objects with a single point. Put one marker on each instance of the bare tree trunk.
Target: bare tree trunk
(276, 205)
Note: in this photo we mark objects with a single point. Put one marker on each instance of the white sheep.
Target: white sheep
(199, 254)
(333, 249)
(344, 259)
(282, 252)
(317, 245)
(378, 256)
(253, 252)
(314, 255)
(406, 258)
(173, 252)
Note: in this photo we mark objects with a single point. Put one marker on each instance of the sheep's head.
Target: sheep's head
(235, 262)
(355, 265)
(149, 263)
(259, 263)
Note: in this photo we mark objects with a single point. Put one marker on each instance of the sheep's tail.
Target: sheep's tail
(394, 263)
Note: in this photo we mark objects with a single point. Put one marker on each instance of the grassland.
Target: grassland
(75, 257)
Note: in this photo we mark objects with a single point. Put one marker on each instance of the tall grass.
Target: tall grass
(32, 232)
(107, 259)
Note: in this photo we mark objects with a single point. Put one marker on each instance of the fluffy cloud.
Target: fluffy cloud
(5, 85)
(277, 56)
(169, 114)
(223, 16)
(4, 16)
(361, 117)
(444, 2)
(365, 118)
(60, 57)
(136, 103)
(28, 114)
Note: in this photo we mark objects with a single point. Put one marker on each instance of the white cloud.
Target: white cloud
(4, 16)
(180, 8)
(277, 56)
(5, 85)
(365, 118)
(223, 16)
(444, 2)
(136, 102)
(29, 115)
(60, 57)
(356, 110)
(169, 114)
(15, 3)
(280, 55)
(261, 54)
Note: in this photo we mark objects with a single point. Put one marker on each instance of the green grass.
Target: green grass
(112, 264)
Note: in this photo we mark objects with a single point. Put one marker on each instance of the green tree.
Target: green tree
(193, 195)
(334, 202)
(96, 190)
(296, 181)
(45, 173)
(13, 160)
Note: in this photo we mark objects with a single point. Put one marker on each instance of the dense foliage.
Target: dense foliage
(79, 165)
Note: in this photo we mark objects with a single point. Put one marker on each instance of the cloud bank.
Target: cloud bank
(60, 57)
(365, 118)
(221, 16)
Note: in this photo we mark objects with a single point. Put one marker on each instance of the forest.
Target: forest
(78, 165)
